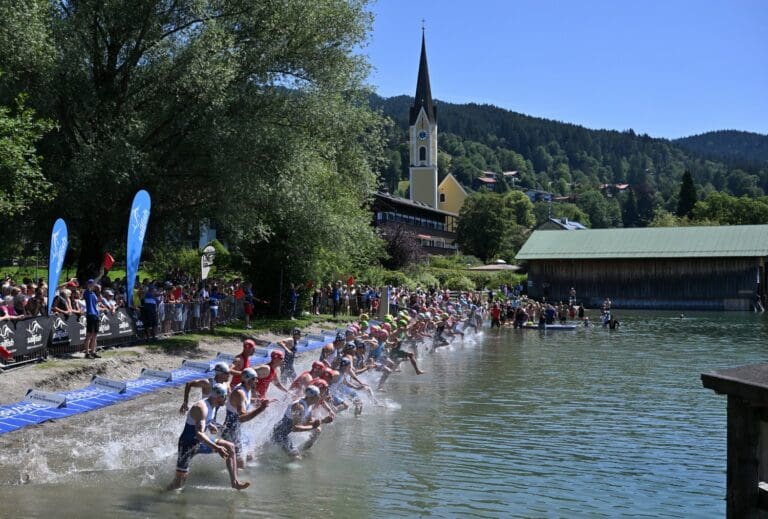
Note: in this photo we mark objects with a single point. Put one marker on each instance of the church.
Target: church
(432, 208)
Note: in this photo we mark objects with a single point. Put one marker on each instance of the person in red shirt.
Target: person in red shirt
(242, 360)
(276, 359)
(495, 316)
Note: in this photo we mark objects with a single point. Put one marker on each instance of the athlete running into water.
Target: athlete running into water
(239, 411)
(242, 360)
(194, 440)
(221, 376)
(298, 418)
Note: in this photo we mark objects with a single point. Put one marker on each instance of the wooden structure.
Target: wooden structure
(747, 473)
(706, 268)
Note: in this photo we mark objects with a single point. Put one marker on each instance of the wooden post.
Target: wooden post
(743, 463)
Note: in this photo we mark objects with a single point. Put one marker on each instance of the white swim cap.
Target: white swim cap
(311, 391)
(221, 367)
(219, 390)
(248, 374)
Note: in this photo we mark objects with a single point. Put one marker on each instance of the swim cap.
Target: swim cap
(296, 331)
(345, 362)
(363, 317)
(311, 391)
(219, 390)
(249, 343)
(327, 374)
(317, 365)
(248, 374)
(349, 346)
(221, 367)
(387, 327)
(319, 383)
(339, 338)
(363, 325)
(402, 322)
(277, 354)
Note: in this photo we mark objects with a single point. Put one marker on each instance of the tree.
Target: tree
(253, 114)
(22, 183)
(629, 215)
(688, 197)
(492, 225)
(402, 246)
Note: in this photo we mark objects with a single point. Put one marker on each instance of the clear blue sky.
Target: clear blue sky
(667, 68)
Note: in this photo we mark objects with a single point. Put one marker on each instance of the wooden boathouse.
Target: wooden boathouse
(703, 268)
(747, 445)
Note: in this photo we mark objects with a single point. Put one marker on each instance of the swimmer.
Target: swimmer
(239, 411)
(305, 379)
(298, 418)
(288, 373)
(265, 378)
(194, 440)
(242, 360)
(221, 376)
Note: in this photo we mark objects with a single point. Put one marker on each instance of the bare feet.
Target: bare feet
(241, 485)
(420, 372)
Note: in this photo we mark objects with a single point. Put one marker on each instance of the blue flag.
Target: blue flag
(137, 228)
(59, 242)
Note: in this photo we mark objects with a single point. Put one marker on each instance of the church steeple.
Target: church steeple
(423, 91)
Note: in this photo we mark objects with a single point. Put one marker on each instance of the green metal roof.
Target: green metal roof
(656, 242)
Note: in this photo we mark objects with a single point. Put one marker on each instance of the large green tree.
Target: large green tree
(492, 225)
(253, 114)
(688, 196)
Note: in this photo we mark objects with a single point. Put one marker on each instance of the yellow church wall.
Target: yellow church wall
(454, 195)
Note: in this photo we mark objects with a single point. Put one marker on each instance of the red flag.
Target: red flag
(108, 261)
(350, 281)
(310, 284)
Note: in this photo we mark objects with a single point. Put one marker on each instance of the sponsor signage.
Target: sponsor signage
(113, 386)
(45, 398)
(32, 335)
(76, 328)
(197, 366)
(165, 376)
(60, 331)
(122, 324)
(8, 336)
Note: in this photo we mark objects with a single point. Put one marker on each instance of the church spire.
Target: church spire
(423, 91)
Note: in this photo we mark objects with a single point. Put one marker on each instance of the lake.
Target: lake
(585, 423)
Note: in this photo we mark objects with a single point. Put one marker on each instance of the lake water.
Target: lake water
(586, 423)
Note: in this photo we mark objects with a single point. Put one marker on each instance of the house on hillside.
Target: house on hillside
(561, 224)
(706, 268)
(485, 181)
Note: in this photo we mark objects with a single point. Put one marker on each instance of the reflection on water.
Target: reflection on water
(522, 423)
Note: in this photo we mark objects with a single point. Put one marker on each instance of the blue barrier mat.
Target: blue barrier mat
(23, 414)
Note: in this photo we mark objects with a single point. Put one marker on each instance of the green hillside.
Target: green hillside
(572, 161)
(742, 149)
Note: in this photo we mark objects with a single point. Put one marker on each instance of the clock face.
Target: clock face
(422, 135)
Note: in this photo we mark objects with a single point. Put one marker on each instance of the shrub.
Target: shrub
(457, 282)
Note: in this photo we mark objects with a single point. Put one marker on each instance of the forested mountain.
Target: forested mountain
(570, 160)
(743, 149)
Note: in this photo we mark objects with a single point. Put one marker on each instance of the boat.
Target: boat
(534, 326)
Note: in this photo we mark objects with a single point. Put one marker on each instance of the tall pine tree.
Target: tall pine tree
(688, 196)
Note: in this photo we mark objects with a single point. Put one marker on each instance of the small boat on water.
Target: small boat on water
(534, 326)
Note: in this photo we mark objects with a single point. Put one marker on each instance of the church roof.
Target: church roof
(423, 91)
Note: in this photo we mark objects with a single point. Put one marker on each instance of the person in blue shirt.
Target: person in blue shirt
(336, 294)
(91, 319)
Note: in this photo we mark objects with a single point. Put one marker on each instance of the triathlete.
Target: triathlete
(288, 372)
(305, 379)
(220, 376)
(239, 411)
(276, 359)
(194, 440)
(242, 360)
(298, 418)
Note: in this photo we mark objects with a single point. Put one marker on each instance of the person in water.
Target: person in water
(298, 418)
(195, 440)
(242, 360)
(262, 385)
(288, 372)
(220, 376)
(239, 411)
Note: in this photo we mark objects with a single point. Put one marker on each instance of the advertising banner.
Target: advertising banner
(137, 229)
(59, 241)
(206, 261)
(32, 335)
